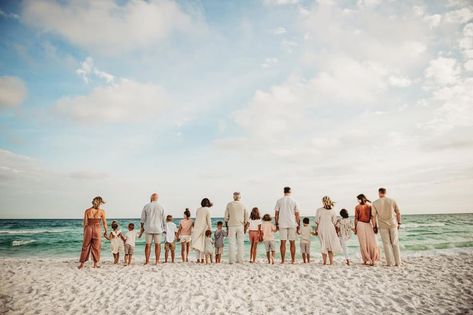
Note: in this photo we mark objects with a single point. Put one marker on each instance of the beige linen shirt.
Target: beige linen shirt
(386, 209)
(236, 214)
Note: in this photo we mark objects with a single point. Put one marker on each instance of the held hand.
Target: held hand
(105, 234)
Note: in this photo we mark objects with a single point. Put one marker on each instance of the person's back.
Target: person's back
(268, 230)
(152, 217)
(287, 209)
(385, 208)
(235, 214)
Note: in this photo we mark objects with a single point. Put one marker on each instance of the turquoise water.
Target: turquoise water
(420, 235)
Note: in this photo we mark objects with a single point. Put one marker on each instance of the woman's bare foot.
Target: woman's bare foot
(81, 266)
(348, 262)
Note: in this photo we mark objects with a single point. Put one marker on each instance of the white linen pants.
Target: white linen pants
(390, 238)
(236, 239)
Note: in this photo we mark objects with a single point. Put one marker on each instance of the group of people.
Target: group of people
(381, 216)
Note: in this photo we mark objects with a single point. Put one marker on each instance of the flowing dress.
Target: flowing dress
(201, 225)
(364, 230)
(326, 220)
(116, 243)
(92, 240)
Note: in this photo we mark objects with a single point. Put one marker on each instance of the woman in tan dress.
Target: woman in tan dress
(364, 231)
(92, 235)
(202, 224)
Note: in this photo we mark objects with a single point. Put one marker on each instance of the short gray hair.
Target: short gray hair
(236, 195)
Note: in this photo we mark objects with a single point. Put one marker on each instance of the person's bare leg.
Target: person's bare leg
(157, 250)
(166, 253)
(268, 254)
(330, 257)
(293, 251)
(147, 253)
(303, 258)
(308, 258)
(173, 253)
(324, 258)
(255, 249)
(130, 257)
(273, 253)
(251, 250)
(282, 248)
(211, 259)
(126, 259)
(81, 265)
(188, 247)
(183, 252)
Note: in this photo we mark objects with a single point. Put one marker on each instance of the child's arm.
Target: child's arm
(123, 238)
(108, 237)
(274, 228)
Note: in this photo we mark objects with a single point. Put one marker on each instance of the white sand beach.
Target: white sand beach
(424, 285)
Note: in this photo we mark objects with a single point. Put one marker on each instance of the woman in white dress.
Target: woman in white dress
(326, 220)
(202, 224)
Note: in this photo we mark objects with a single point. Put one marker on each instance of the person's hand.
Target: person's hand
(105, 234)
(354, 231)
(375, 230)
(398, 226)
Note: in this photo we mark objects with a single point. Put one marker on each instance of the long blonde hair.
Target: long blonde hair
(328, 203)
(97, 201)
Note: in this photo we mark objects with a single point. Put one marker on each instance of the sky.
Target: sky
(195, 99)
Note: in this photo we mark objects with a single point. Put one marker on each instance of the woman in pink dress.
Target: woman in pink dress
(365, 232)
(92, 236)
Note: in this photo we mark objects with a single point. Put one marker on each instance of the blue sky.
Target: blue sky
(199, 99)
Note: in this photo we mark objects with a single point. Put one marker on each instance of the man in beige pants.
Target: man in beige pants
(386, 212)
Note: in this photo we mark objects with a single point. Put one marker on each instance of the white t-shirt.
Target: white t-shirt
(254, 224)
(130, 238)
(171, 230)
(287, 208)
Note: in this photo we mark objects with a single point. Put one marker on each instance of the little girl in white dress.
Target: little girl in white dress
(209, 247)
(116, 242)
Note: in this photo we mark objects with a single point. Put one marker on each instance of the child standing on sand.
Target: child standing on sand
(345, 228)
(184, 234)
(219, 237)
(209, 247)
(268, 229)
(116, 242)
(171, 234)
(129, 239)
(306, 232)
(255, 232)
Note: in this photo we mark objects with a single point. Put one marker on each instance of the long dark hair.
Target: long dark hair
(362, 198)
(255, 214)
(206, 203)
(187, 213)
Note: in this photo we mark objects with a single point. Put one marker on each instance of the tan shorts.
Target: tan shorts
(129, 250)
(150, 237)
(185, 238)
(287, 234)
(270, 246)
(170, 246)
(218, 250)
(305, 248)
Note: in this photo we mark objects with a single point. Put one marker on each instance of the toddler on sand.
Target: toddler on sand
(268, 229)
(116, 242)
(130, 238)
(171, 235)
(345, 228)
(219, 237)
(306, 232)
(209, 247)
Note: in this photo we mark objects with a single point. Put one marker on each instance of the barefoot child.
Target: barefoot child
(171, 234)
(209, 247)
(129, 239)
(268, 229)
(255, 233)
(345, 228)
(184, 234)
(116, 242)
(306, 232)
(219, 237)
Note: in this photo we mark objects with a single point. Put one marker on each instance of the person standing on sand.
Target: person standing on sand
(287, 221)
(202, 224)
(365, 231)
(152, 224)
(236, 221)
(326, 220)
(92, 237)
(386, 212)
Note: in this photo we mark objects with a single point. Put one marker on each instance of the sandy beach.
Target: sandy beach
(424, 285)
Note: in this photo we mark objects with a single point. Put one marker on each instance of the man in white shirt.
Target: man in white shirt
(287, 220)
(236, 221)
(386, 214)
(152, 224)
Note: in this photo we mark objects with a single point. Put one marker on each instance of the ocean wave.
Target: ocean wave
(417, 225)
(21, 242)
(21, 232)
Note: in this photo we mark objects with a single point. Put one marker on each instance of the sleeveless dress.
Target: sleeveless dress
(92, 240)
(326, 221)
(366, 237)
(116, 243)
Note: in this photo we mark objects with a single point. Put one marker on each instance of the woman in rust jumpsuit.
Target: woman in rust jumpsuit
(92, 233)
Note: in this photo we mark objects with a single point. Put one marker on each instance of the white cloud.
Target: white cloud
(269, 62)
(87, 68)
(279, 30)
(443, 71)
(280, 2)
(9, 15)
(107, 26)
(399, 81)
(12, 91)
(122, 101)
(466, 46)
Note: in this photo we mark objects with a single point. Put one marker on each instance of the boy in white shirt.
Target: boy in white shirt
(130, 239)
(171, 236)
(306, 232)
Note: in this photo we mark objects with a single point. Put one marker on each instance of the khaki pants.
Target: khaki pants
(236, 238)
(390, 238)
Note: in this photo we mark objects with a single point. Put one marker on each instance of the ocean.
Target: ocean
(62, 238)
